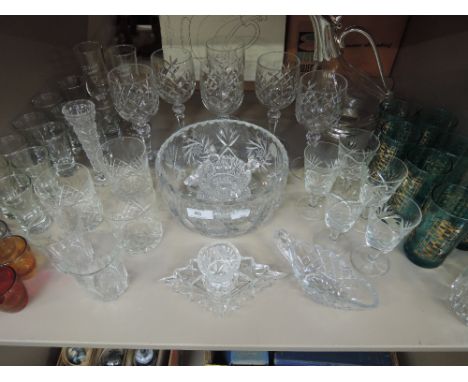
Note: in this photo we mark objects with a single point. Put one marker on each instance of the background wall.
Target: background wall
(432, 64)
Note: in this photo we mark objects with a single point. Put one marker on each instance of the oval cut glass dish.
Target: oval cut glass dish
(223, 177)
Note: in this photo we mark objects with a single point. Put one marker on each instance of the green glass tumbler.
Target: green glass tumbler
(444, 224)
(434, 125)
(426, 168)
(395, 135)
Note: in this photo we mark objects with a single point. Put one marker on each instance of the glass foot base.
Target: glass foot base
(369, 261)
(307, 211)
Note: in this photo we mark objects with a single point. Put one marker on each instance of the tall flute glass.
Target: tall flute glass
(175, 76)
(319, 102)
(81, 114)
(136, 99)
(276, 82)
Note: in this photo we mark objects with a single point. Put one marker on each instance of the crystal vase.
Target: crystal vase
(81, 114)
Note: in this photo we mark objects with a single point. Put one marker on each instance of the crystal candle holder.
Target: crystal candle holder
(219, 264)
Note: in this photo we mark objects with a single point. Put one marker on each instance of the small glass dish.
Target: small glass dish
(220, 279)
(325, 276)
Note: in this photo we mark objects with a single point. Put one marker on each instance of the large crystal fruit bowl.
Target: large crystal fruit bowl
(222, 177)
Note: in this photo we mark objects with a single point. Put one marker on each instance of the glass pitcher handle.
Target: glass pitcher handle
(355, 29)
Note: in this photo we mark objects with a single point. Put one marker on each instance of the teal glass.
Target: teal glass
(394, 107)
(443, 226)
(434, 125)
(395, 136)
(426, 168)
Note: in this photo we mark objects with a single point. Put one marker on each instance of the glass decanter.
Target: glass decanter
(364, 94)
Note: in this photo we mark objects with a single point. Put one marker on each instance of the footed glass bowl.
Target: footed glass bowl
(222, 177)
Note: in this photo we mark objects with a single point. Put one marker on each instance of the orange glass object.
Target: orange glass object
(13, 294)
(15, 252)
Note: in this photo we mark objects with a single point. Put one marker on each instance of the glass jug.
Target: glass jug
(364, 94)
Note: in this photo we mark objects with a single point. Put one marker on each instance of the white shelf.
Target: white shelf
(412, 315)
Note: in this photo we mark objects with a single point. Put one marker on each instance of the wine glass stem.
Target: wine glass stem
(273, 119)
(179, 110)
(144, 131)
(313, 200)
(334, 235)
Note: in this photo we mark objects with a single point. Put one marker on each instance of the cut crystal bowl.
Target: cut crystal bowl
(222, 177)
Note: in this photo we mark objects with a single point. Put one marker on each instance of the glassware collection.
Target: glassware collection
(401, 178)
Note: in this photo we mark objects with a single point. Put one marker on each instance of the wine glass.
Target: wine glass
(175, 76)
(276, 81)
(387, 225)
(319, 102)
(121, 54)
(134, 93)
(222, 76)
(320, 170)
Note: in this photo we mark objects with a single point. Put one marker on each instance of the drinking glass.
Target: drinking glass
(10, 143)
(13, 294)
(45, 101)
(4, 230)
(426, 168)
(72, 87)
(4, 171)
(320, 171)
(175, 76)
(24, 124)
(126, 164)
(458, 298)
(72, 191)
(222, 90)
(136, 228)
(443, 226)
(219, 264)
(121, 54)
(387, 225)
(276, 81)
(94, 260)
(16, 252)
(81, 115)
(395, 136)
(136, 99)
(226, 52)
(54, 136)
(32, 161)
(319, 102)
(17, 197)
(434, 124)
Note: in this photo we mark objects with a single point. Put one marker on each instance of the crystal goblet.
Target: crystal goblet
(320, 171)
(387, 225)
(175, 76)
(276, 82)
(135, 95)
(319, 102)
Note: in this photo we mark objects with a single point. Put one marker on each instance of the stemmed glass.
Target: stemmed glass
(175, 76)
(135, 96)
(320, 170)
(222, 76)
(121, 54)
(276, 82)
(319, 102)
(387, 225)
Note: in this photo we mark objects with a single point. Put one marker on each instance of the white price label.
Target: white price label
(200, 214)
(239, 214)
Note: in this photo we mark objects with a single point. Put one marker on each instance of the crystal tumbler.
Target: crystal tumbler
(13, 294)
(24, 124)
(10, 143)
(72, 87)
(45, 101)
(17, 197)
(121, 54)
(443, 226)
